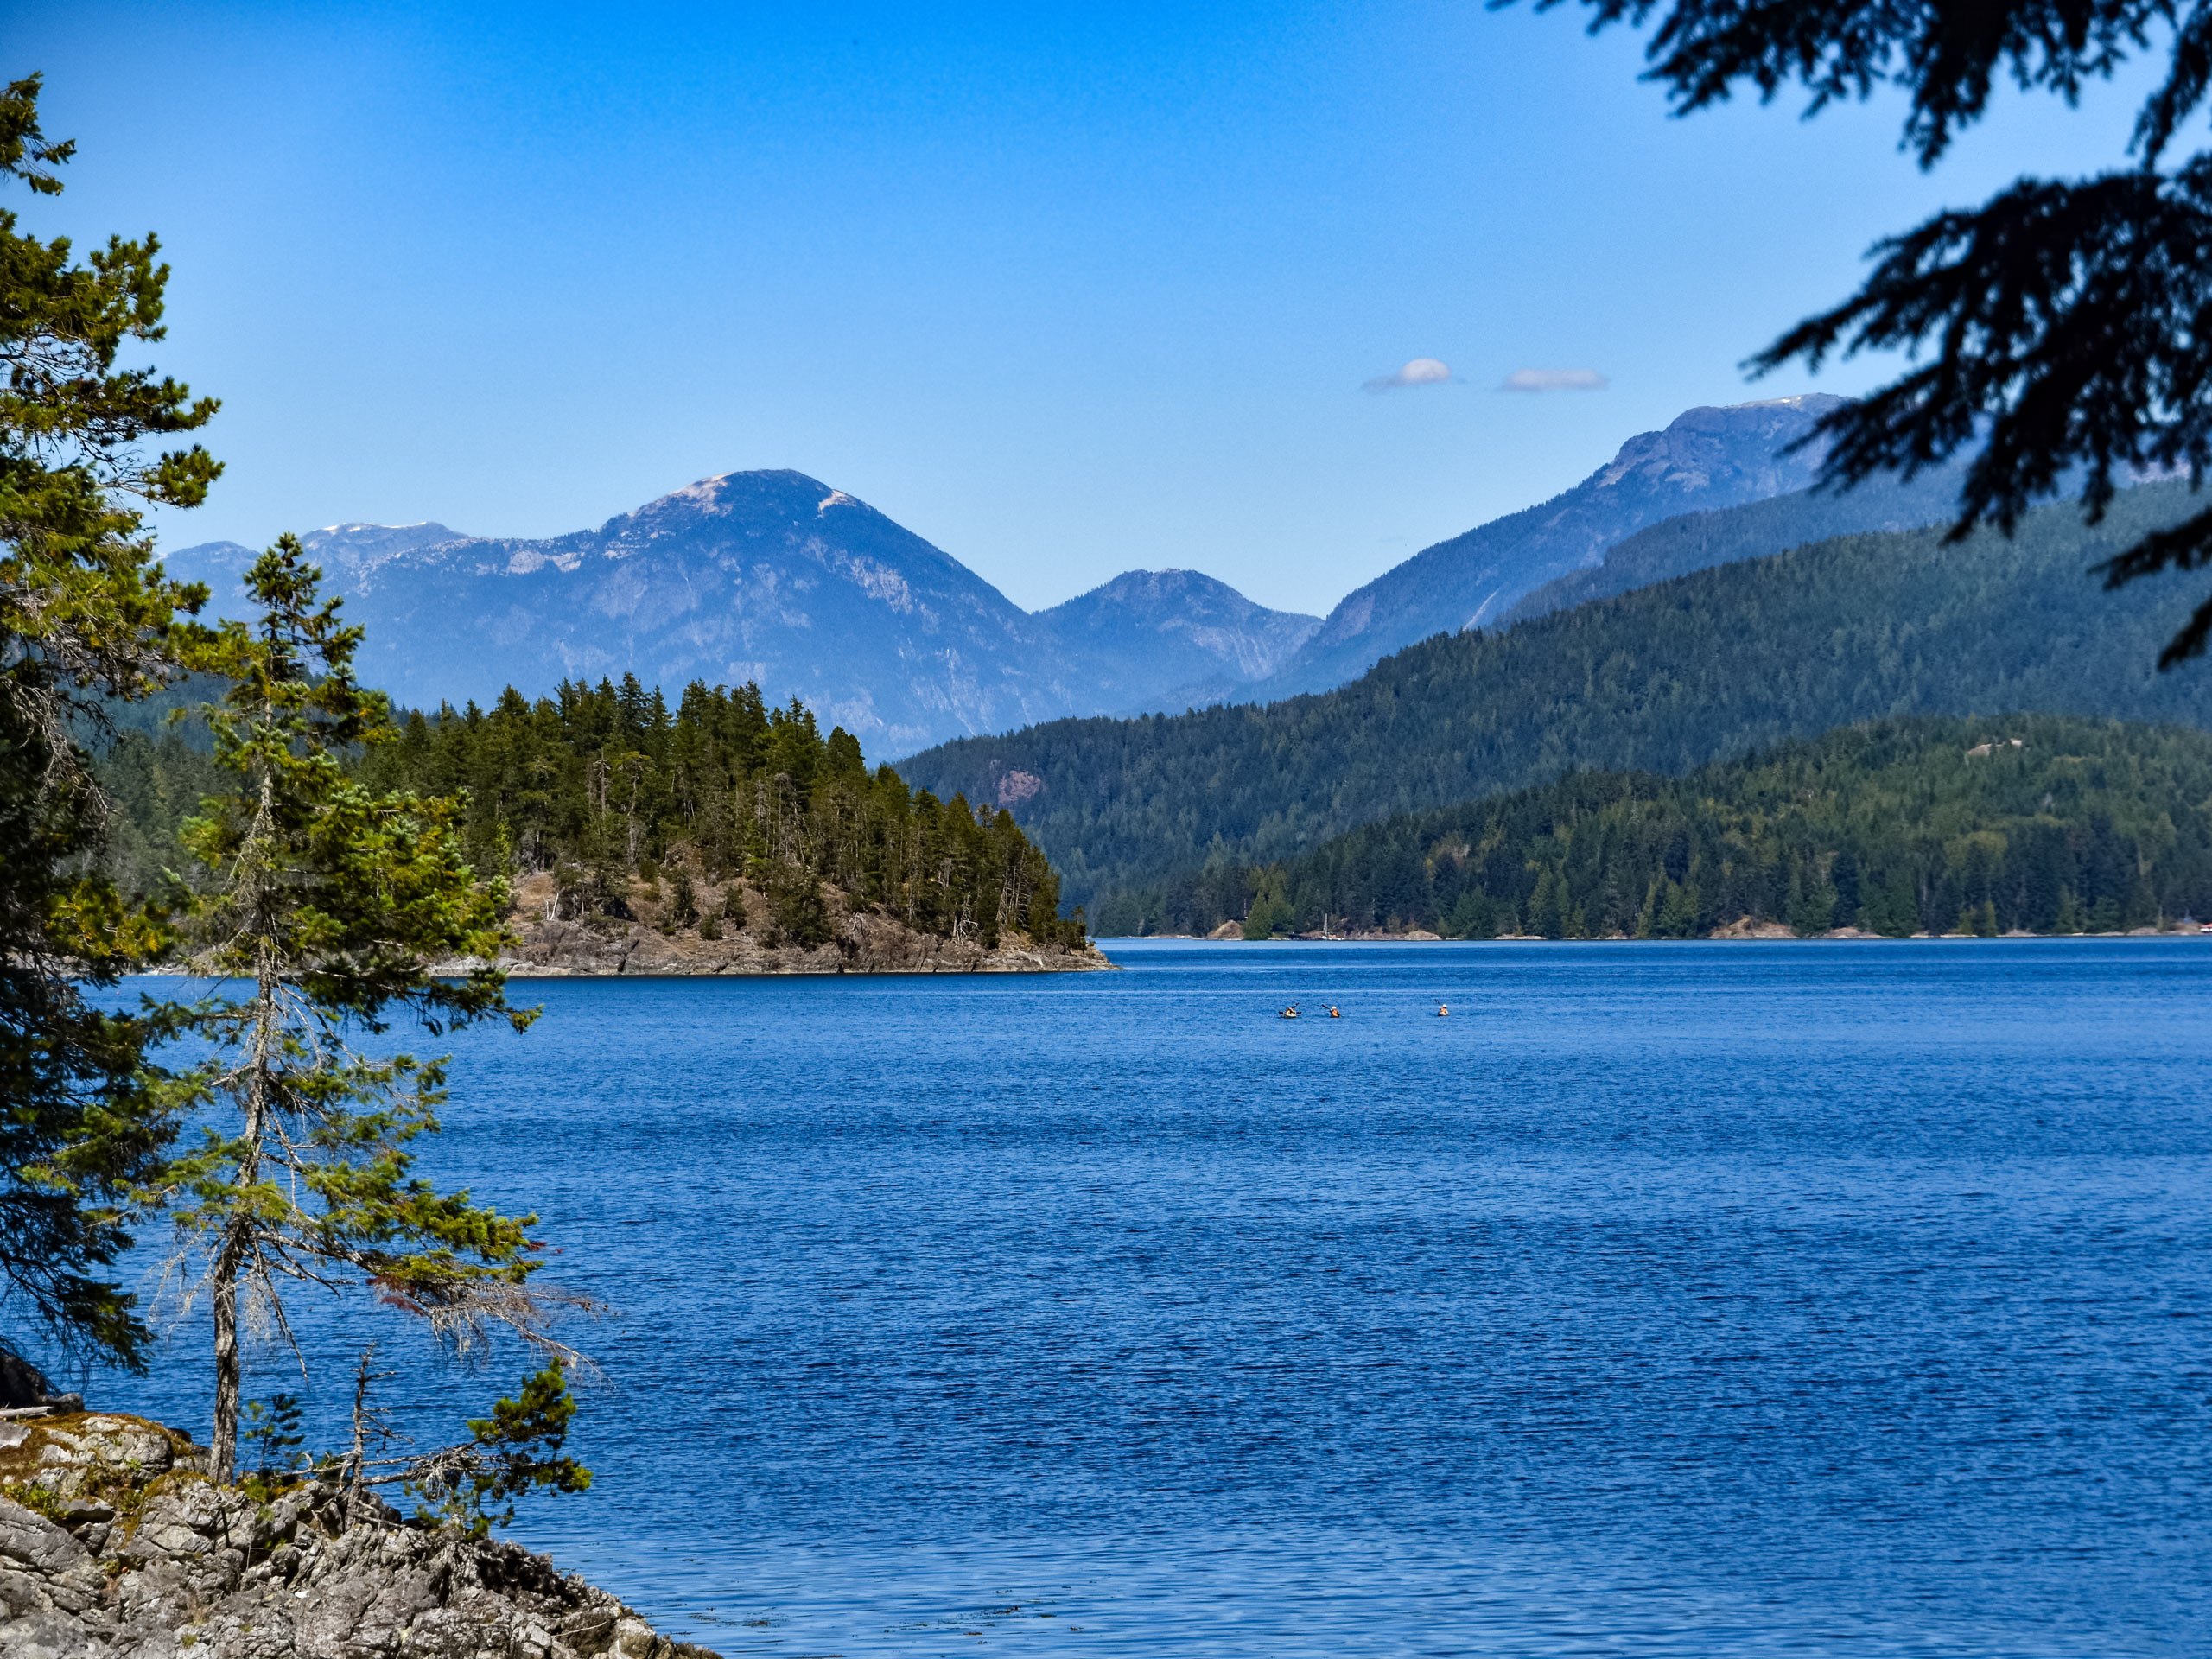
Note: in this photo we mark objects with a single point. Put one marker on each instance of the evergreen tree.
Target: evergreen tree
(1547, 914)
(520, 1447)
(1473, 915)
(86, 616)
(326, 902)
(1678, 916)
(683, 900)
(1893, 908)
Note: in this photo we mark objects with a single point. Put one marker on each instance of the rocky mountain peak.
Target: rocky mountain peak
(775, 576)
(1166, 639)
(1171, 595)
(1733, 447)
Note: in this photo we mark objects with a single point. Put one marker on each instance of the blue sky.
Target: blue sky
(1068, 291)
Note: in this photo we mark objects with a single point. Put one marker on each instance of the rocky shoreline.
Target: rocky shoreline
(648, 941)
(115, 1545)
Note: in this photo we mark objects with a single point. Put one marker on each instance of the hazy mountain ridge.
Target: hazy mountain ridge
(1152, 632)
(1705, 458)
(1698, 540)
(776, 577)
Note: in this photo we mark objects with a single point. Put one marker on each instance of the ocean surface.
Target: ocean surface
(1670, 1300)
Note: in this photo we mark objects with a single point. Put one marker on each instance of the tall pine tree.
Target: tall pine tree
(328, 901)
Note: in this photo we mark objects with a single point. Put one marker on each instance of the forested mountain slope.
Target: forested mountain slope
(2034, 823)
(1665, 678)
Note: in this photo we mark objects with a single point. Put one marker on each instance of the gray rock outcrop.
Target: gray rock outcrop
(115, 1545)
(860, 942)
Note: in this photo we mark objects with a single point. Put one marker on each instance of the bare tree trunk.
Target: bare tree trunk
(237, 1233)
(356, 1462)
(225, 1436)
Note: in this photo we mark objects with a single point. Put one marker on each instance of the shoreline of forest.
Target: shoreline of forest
(1927, 826)
(1757, 932)
(935, 956)
(995, 965)
(731, 932)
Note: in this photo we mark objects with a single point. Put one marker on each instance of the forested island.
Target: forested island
(2028, 824)
(725, 835)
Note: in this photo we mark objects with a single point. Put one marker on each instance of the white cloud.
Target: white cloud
(1422, 371)
(1554, 380)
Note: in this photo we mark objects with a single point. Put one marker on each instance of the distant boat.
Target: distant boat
(1444, 1011)
(1291, 1013)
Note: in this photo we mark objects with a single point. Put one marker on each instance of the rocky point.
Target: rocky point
(114, 1544)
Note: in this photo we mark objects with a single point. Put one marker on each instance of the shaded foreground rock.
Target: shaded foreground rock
(22, 1383)
(115, 1545)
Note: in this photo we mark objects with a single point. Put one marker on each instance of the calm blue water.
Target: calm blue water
(1671, 1299)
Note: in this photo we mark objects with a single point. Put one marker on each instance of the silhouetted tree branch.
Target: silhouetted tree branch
(2065, 326)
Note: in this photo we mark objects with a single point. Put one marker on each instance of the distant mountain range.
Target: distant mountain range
(777, 577)
(1695, 668)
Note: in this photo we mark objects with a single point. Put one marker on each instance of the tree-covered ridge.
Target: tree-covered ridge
(2041, 823)
(603, 787)
(1666, 678)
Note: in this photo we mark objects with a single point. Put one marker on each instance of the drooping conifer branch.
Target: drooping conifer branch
(2062, 331)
